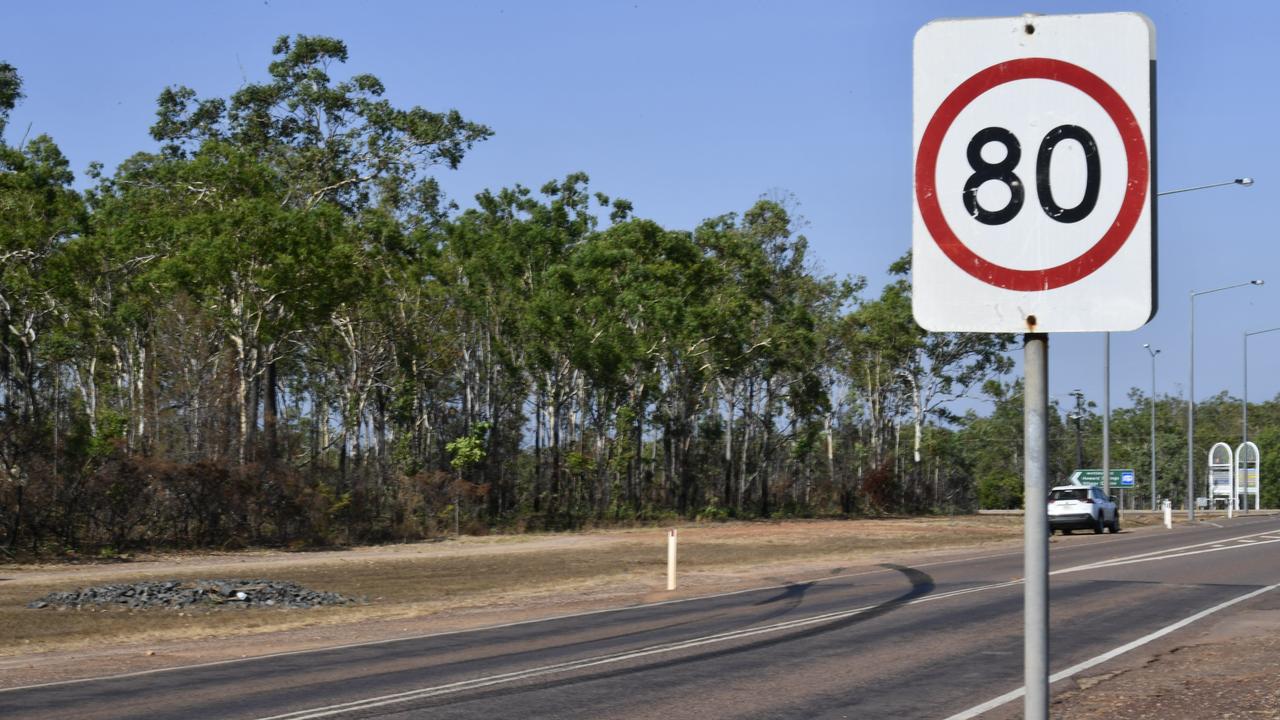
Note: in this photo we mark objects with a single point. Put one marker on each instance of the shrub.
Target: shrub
(1000, 492)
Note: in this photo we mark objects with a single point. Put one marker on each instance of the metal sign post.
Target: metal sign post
(1033, 213)
(1035, 526)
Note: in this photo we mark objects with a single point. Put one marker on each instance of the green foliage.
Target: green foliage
(713, 512)
(1000, 492)
(273, 327)
(10, 92)
(340, 507)
(469, 450)
(111, 430)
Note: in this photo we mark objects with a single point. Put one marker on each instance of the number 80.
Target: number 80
(1003, 172)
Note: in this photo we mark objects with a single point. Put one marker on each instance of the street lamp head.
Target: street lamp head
(1257, 282)
(1246, 181)
(1146, 345)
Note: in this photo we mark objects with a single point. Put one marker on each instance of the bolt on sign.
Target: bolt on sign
(1034, 182)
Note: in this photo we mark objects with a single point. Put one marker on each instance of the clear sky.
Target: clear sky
(693, 109)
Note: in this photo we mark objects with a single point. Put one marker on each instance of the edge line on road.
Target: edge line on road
(1008, 697)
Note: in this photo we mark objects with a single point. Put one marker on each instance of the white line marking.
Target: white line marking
(996, 702)
(1154, 555)
(1168, 556)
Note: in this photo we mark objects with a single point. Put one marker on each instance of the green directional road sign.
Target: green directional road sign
(1120, 477)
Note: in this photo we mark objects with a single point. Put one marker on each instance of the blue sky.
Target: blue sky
(693, 109)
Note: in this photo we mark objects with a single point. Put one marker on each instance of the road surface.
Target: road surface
(937, 640)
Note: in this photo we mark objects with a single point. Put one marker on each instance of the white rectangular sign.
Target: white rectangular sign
(1034, 182)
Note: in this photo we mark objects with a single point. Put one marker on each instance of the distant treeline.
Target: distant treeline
(273, 328)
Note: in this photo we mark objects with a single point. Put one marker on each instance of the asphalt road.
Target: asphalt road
(935, 640)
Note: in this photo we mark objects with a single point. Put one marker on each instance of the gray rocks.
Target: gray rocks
(175, 594)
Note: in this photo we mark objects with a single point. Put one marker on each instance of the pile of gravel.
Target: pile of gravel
(176, 594)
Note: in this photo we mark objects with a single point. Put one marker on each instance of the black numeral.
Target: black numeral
(1003, 171)
(1092, 175)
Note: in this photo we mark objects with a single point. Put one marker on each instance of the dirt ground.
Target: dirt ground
(1210, 675)
(415, 589)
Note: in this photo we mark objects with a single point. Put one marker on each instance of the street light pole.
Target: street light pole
(1153, 354)
(1243, 182)
(1244, 423)
(1191, 513)
(1191, 397)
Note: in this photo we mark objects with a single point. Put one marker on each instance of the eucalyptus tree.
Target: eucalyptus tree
(761, 335)
(636, 285)
(945, 367)
(39, 214)
(10, 93)
(736, 295)
(273, 182)
(880, 339)
(494, 261)
(563, 223)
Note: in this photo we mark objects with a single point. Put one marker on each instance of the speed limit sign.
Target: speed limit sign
(1034, 187)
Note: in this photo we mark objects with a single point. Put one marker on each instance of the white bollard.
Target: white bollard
(1168, 514)
(671, 559)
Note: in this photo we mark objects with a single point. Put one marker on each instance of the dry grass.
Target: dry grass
(434, 579)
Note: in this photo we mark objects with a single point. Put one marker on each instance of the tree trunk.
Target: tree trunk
(242, 398)
(728, 445)
(537, 449)
(270, 412)
(747, 426)
(766, 449)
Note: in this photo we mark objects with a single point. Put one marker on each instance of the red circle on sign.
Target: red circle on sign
(1112, 240)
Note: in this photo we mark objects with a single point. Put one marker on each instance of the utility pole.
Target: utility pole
(1077, 416)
